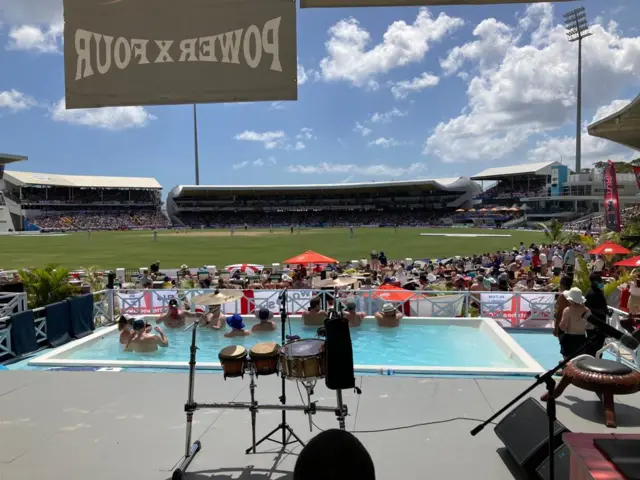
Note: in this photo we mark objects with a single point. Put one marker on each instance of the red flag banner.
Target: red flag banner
(611, 204)
(636, 172)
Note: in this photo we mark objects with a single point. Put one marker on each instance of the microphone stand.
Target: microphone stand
(287, 431)
(550, 383)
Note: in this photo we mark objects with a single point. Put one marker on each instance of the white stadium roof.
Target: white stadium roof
(78, 181)
(622, 127)
(543, 168)
(441, 183)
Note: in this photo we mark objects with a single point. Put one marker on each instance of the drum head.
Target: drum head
(233, 352)
(265, 348)
(303, 348)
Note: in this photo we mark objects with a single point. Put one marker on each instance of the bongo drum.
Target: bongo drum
(303, 359)
(233, 359)
(265, 358)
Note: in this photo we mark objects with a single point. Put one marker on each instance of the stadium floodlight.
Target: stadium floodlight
(195, 142)
(577, 28)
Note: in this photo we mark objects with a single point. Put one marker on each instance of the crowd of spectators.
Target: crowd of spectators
(519, 188)
(75, 196)
(411, 217)
(102, 221)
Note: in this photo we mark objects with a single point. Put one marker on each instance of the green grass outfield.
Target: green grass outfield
(134, 249)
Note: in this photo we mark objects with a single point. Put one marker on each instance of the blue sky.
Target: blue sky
(446, 92)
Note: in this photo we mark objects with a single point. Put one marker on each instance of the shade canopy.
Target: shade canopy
(630, 262)
(391, 293)
(610, 248)
(309, 257)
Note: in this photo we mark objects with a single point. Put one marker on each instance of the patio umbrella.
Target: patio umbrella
(472, 209)
(630, 262)
(248, 268)
(309, 257)
(391, 293)
(460, 210)
(610, 248)
(483, 210)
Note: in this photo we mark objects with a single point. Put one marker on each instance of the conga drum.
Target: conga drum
(233, 359)
(265, 358)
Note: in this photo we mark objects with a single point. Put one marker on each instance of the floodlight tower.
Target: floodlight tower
(577, 27)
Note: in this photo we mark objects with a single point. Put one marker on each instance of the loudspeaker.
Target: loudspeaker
(339, 355)
(561, 465)
(525, 433)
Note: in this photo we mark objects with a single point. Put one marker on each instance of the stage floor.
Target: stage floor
(106, 425)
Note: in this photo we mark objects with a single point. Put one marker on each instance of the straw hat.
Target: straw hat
(575, 295)
(388, 308)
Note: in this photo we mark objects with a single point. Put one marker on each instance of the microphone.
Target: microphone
(624, 338)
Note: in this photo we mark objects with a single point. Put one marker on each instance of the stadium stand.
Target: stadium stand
(416, 202)
(50, 202)
(621, 127)
(6, 220)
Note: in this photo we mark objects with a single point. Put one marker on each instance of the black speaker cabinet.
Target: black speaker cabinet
(561, 465)
(524, 433)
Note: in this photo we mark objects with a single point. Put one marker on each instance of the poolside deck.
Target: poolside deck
(107, 425)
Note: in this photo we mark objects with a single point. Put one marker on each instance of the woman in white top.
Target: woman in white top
(573, 324)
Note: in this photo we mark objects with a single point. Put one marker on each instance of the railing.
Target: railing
(615, 347)
(510, 309)
(12, 303)
(103, 314)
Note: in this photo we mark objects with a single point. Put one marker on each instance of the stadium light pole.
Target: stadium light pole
(577, 28)
(195, 142)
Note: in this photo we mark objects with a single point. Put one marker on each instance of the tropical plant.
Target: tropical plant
(47, 285)
(95, 278)
(553, 231)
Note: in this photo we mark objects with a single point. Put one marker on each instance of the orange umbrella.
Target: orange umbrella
(630, 262)
(309, 257)
(391, 293)
(610, 248)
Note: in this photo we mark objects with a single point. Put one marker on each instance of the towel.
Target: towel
(58, 323)
(81, 315)
(23, 333)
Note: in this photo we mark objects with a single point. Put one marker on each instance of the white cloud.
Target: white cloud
(237, 166)
(593, 149)
(270, 140)
(31, 37)
(350, 169)
(520, 90)
(108, 118)
(385, 142)
(306, 133)
(362, 130)
(277, 106)
(298, 145)
(403, 88)
(386, 117)
(14, 100)
(33, 12)
(350, 57)
(302, 75)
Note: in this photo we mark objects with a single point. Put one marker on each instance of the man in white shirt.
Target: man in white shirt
(598, 264)
(557, 263)
(543, 262)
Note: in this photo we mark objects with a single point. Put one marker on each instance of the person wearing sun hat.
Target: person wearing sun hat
(237, 326)
(388, 316)
(572, 323)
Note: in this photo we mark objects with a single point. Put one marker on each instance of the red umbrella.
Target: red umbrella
(309, 257)
(391, 293)
(630, 262)
(610, 248)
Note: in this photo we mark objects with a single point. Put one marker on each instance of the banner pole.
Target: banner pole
(195, 142)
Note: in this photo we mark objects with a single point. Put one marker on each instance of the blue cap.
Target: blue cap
(139, 323)
(235, 321)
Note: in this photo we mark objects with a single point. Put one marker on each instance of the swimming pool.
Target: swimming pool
(419, 345)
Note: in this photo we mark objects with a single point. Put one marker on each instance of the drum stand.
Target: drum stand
(287, 431)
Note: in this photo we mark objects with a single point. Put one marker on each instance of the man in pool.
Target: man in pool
(214, 318)
(143, 341)
(237, 326)
(388, 316)
(354, 317)
(314, 316)
(174, 318)
(266, 321)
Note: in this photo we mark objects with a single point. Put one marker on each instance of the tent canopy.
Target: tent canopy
(309, 257)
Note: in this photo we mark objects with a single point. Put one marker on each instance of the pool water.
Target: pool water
(424, 345)
(541, 344)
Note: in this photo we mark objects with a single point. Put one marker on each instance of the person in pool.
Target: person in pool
(124, 327)
(174, 318)
(315, 315)
(354, 317)
(266, 321)
(143, 340)
(388, 316)
(214, 318)
(237, 326)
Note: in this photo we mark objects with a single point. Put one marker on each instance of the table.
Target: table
(587, 463)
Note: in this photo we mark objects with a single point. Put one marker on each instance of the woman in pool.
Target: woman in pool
(388, 316)
(124, 327)
(237, 326)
